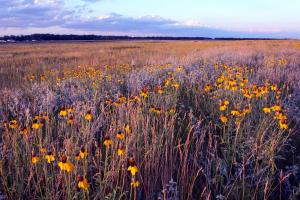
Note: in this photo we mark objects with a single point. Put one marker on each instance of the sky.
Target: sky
(192, 18)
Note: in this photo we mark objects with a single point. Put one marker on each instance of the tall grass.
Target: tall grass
(210, 125)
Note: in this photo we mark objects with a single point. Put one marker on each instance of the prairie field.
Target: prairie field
(164, 120)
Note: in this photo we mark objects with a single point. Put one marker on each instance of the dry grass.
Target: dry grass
(200, 120)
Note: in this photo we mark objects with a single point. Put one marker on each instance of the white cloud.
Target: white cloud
(192, 23)
(41, 16)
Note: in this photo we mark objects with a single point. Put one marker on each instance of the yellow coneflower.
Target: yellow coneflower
(45, 116)
(63, 112)
(122, 99)
(127, 128)
(133, 169)
(34, 159)
(83, 154)
(107, 141)
(134, 183)
(267, 110)
(71, 120)
(82, 183)
(159, 90)
(42, 77)
(247, 110)
(71, 109)
(136, 99)
(43, 150)
(207, 88)
(120, 151)
(49, 157)
(41, 123)
(224, 119)
(273, 88)
(235, 112)
(223, 105)
(158, 110)
(283, 124)
(144, 93)
(77, 156)
(36, 116)
(13, 124)
(65, 165)
(23, 130)
(276, 107)
(175, 85)
(117, 103)
(279, 115)
(152, 109)
(108, 101)
(35, 124)
(88, 116)
(179, 68)
(32, 77)
(167, 83)
(120, 135)
(171, 110)
(5, 124)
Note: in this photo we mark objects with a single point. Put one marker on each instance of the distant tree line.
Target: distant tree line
(54, 37)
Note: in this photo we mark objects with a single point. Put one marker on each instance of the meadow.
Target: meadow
(162, 120)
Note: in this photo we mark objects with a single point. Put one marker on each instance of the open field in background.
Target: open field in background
(22, 59)
(150, 120)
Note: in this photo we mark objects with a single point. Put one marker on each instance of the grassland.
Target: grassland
(150, 120)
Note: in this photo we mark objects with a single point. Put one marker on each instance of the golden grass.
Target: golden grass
(150, 120)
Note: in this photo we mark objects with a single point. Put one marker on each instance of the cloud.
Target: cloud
(32, 13)
(146, 25)
(43, 15)
(91, 1)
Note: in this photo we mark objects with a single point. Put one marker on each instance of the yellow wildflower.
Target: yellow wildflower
(135, 183)
(235, 112)
(42, 149)
(273, 87)
(88, 116)
(83, 154)
(158, 111)
(49, 157)
(120, 151)
(71, 120)
(175, 85)
(35, 124)
(144, 93)
(65, 165)
(83, 183)
(23, 130)
(107, 141)
(34, 159)
(276, 107)
(223, 105)
(224, 119)
(127, 128)
(120, 135)
(267, 110)
(207, 88)
(13, 124)
(63, 112)
(71, 109)
(283, 124)
(171, 110)
(133, 169)
(152, 109)
(247, 110)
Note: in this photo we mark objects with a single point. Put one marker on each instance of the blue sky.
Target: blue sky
(213, 18)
